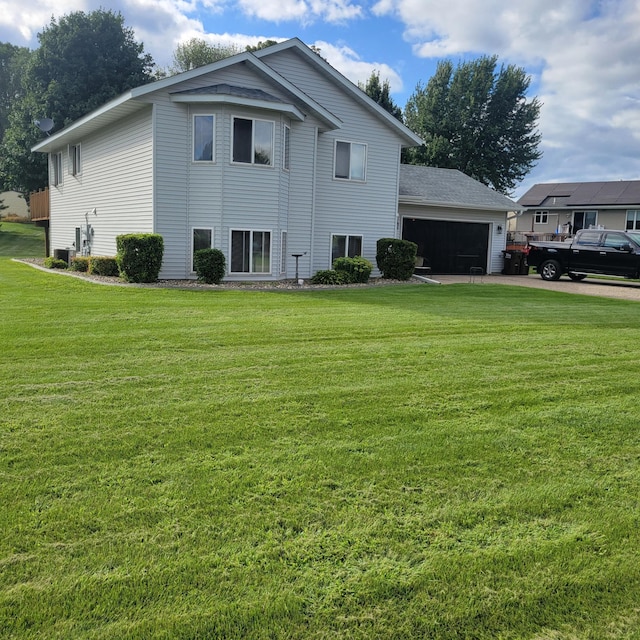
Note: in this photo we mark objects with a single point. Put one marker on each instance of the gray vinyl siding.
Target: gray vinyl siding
(116, 180)
(347, 207)
(497, 241)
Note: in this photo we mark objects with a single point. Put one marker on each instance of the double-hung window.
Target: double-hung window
(56, 169)
(75, 160)
(252, 141)
(350, 161)
(203, 138)
(200, 239)
(633, 219)
(541, 217)
(345, 246)
(250, 251)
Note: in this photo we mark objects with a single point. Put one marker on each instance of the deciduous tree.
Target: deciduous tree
(83, 61)
(477, 119)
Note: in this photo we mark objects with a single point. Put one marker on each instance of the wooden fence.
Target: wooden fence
(39, 204)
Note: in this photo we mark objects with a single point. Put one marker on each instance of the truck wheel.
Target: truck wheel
(550, 270)
(576, 277)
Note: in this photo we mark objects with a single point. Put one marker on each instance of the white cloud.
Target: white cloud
(585, 51)
(347, 62)
(304, 11)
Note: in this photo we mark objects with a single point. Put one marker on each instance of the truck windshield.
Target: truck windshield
(635, 236)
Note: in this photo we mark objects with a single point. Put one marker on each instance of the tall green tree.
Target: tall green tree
(477, 119)
(83, 60)
(198, 52)
(380, 92)
(13, 61)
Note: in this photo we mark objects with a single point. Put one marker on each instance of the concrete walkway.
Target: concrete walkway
(614, 288)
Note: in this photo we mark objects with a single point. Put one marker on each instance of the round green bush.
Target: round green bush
(55, 263)
(79, 263)
(210, 265)
(396, 258)
(358, 269)
(330, 276)
(103, 266)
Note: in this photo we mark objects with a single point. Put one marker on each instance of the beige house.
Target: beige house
(560, 209)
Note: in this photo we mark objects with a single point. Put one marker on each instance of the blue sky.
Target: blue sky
(583, 55)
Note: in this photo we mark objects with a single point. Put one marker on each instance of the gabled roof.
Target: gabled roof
(136, 99)
(449, 188)
(296, 45)
(621, 193)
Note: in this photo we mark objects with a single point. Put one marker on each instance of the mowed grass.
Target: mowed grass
(394, 462)
(21, 240)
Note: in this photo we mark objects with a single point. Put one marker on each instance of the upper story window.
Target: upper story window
(56, 168)
(75, 160)
(252, 141)
(633, 219)
(541, 217)
(203, 138)
(350, 161)
(286, 146)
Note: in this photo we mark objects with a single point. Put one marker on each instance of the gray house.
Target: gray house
(563, 208)
(263, 155)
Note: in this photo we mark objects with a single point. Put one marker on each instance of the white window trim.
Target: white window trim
(634, 216)
(75, 159)
(286, 157)
(541, 214)
(335, 157)
(193, 139)
(251, 272)
(253, 163)
(283, 252)
(346, 236)
(192, 251)
(56, 169)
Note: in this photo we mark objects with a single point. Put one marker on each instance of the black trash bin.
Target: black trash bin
(512, 263)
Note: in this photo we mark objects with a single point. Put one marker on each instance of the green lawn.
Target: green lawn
(20, 240)
(402, 462)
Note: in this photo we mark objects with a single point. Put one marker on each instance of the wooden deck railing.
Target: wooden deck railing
(39, 204)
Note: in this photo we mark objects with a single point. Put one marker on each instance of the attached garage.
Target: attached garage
(458, 223)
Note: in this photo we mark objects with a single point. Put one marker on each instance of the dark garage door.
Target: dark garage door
(449, 247)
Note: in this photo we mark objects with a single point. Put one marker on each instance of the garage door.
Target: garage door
(449, 247)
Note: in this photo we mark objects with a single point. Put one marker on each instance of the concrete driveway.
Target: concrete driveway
(614, 288)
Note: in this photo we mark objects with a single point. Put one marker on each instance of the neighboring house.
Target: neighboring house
(457, 222)
(564, 208)
(263, 155)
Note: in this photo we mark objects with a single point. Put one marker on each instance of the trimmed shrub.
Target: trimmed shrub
(210, 265)
(140, 256)
(79, 263)
(55, 263)
(396, 259)
(103, 266)
(358, 269)
(330, 276)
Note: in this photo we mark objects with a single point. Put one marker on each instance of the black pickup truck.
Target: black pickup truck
(605, 251)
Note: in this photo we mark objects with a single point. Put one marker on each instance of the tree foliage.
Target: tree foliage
(197, 52)
(83, 60)
(476, 119)
(13, 61)
(380, 92)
